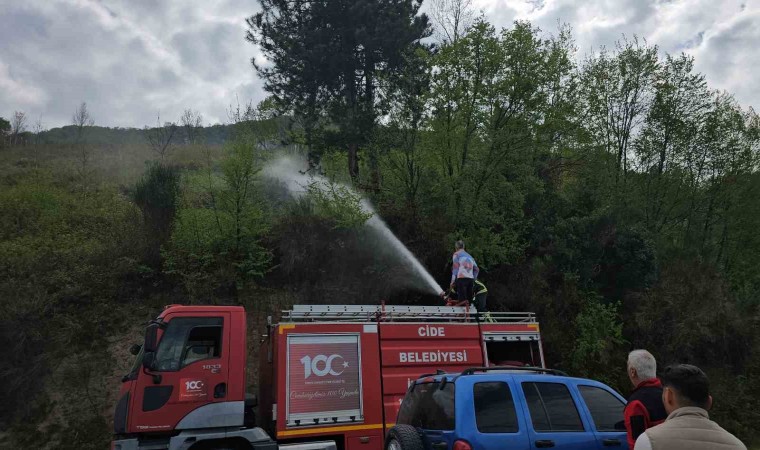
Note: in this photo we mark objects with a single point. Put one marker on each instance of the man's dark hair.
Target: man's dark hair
(689, 383)
(459, 245)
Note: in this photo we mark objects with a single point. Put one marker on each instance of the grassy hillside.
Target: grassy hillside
(79, 282)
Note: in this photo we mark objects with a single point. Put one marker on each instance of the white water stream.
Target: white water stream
(288, 172)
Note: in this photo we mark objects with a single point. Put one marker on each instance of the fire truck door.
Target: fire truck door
(190, 369)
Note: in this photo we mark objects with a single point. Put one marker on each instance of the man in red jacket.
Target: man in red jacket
(645, 408)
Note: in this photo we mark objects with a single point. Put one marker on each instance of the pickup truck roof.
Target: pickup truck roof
(516, 373)
(475, 371)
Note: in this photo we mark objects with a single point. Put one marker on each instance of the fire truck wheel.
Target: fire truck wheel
(404, 437)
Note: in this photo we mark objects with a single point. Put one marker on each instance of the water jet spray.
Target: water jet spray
(288, 172)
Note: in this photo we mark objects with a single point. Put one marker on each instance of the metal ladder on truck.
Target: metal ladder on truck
(398, 313)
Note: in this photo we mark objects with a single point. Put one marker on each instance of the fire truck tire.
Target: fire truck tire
(404, 437)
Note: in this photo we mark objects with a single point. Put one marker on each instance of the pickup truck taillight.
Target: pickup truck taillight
(462, 445)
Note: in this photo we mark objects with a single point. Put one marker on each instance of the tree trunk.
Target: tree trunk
(313, 157)
(369, 87)
(353, 162)
(374, 165)
(707, 228)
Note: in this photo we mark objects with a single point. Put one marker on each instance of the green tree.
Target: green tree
(192, 123)
(618, 88)
(161, 137)
(494, 101)
(18, 127)
(5, 131)
(337, 203)
(157, 196)
(401, 154)
(669, 143)
(729, 154)
(336, 58)
(216, 240)
(82, 122)
(599, 340)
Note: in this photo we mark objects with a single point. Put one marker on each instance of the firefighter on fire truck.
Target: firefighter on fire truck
(464, 272)
(479, 300)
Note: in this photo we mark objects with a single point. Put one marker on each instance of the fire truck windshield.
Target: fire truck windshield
(135, 366)
(187, 340)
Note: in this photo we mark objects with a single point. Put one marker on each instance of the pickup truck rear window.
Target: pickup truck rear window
(494, 408)
(429, 406)
(605, 408)
(551, 407)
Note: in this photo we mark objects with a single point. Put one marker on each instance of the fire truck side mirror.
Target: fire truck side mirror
(151, 344)
(151, 337)
(148, 360)
(135, 349)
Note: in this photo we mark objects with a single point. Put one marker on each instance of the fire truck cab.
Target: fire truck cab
(330, 376)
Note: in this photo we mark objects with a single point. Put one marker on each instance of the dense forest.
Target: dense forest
(615, 194)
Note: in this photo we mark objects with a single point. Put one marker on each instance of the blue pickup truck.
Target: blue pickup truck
(508, 408)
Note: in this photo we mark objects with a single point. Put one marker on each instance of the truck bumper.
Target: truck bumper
(125, 444)
(257, 437)
(326, 445)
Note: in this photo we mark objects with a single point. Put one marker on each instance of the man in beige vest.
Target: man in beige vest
(687, 398)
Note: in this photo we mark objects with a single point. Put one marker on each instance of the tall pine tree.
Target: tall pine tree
(336, 59)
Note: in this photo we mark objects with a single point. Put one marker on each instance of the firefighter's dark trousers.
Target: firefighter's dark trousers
(465, 289)
(480, 301)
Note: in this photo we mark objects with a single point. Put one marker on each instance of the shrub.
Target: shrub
(157, 196)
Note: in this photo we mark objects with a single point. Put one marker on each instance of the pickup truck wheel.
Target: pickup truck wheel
(404, 437)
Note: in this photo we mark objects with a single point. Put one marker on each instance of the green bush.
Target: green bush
(157, 196)
(337, 203)
(216, 240)
(598, 350)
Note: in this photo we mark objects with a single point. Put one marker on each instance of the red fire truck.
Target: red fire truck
(330, 377)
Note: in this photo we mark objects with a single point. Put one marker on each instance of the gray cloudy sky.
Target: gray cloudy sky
(130, 59)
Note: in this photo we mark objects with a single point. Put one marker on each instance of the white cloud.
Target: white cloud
(130, 59)
(728, 54)
(721, 35)
(17, 90)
